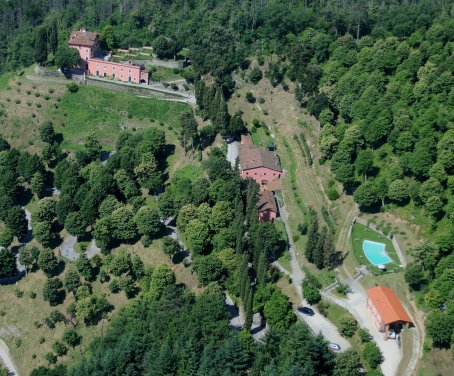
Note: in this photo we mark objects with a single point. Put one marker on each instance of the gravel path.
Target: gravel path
(68, 248)
(318, 323)
(7, 360)
(232, 152)
(356, 305)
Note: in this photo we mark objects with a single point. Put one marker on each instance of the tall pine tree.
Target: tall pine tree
(262, 268)
(248, 305)
(329, 251)
(41, 45)
(312, 239)
(319, 256)
(53, 36)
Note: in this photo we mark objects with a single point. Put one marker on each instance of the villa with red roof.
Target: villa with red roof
(386, 309)
(92, 60)
(257, 163)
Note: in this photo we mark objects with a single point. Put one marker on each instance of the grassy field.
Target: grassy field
(361, 233)
(163, 74)
(106, 113)
(191, 171)
(26, 104)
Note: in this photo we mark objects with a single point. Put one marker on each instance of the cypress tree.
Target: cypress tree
(328, 250)
(248, 311)
(312, 239)
(319, 257)
(243, 279)
(41, 46)
(53, 36)
(262, 268)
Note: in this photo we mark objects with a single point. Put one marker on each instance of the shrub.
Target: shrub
(250, 97)
(347, 326)
(51, 358)
(18, 101)
(114, 286)
(19, 83)
(28, 92)
(311, 293)
(71, 337)
(174, 86)
(72, 87)
(372, 354)
(41, 340)
(260, 60)
(255, 75)
(333, 194)
(32, 294)
(29, 103)
(46, 97)
(37, 95)
(38, 105)
(261, 100)
(59, 348)
(50, 90)
(18, 293)
(342, 289)
(165, 84)
(302, 228)
(364, 335)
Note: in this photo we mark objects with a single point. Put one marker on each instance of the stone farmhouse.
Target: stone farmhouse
(95, 63)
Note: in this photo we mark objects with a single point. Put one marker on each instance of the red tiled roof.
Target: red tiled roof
(253, 157)
(266, 202)
(388, 305)
(83, 38)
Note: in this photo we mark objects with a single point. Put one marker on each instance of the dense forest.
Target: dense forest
(378, 77)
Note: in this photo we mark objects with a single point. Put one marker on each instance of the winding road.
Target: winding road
(7, 360)
(317, 323)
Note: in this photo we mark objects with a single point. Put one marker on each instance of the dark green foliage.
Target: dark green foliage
(347, 326)
(28, 256)
(16, 221)
(53, 292)
(66, 57)
(47, 261)
(41, 45)
(278, 312)
(372, 354)
(71, 337)
(255, 75)
(208, 269)
(7, 263)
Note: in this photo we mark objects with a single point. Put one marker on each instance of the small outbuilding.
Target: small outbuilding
(386, 309)
(267, 207)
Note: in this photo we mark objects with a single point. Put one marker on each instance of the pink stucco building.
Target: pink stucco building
(257, 163)
(87, 43)
(128, 72)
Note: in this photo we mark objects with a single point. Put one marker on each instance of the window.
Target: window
(129, 79)
(264, 182)
(122, 69)
(105, 74)
(97, 72)
(113, 68)
(113, 76)
(121, 76)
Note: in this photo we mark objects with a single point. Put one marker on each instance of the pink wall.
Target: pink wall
(267, 216)
(84, 52)
(260, 174)
(119, 71)
(375, 316)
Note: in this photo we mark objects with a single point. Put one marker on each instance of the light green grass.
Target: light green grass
(164, 74)
(361, 233)
(105, 113)
(192, 172)
(4, 79)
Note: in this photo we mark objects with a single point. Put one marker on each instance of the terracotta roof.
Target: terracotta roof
(253, 157)
(83, 38)
(266, 202)
(246, 139)
(388, 305)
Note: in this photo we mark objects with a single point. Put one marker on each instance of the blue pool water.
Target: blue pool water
(375, 252)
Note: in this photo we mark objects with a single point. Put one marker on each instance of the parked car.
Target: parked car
(392, 334)
(307, 311)
(334, 347)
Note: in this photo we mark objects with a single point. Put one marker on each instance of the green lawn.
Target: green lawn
(361, 233)
(164, 74)
(105, 113)
(191, 171)
(4, 79)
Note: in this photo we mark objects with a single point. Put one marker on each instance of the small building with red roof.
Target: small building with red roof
(386, 309)
(267, 207)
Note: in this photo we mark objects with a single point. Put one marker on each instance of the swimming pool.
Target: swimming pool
(376, 252)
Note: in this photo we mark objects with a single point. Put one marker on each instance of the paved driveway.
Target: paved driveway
(232, 152)
(356, 305)
(6, 359)
(318, 323)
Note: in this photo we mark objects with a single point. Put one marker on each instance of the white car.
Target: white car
(334, 347)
